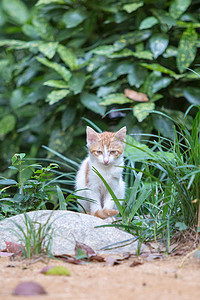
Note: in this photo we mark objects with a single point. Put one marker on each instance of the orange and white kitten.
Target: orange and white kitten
(106, 155)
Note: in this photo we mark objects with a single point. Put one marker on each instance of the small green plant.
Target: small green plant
(35, 237)
(33, 188)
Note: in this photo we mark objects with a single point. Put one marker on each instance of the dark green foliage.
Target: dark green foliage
(63, 60)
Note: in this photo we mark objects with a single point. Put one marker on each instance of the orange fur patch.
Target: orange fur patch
(105, 213)
(109, 140)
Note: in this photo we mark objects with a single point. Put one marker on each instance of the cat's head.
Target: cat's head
(107, 147)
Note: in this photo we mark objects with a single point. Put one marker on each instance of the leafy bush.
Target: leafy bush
(62, 60)
(37, 187)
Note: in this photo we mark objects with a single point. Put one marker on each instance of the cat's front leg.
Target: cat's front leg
(108, 210)
(95, 205)
(97, 210)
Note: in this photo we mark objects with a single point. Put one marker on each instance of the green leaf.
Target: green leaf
(134, 153)
(55, 96)
(143, 54)
(178, 7)
(10, 43)
(66, 74)
(48, 49)
(60, 141)
(68, 57)
(7, 124)
(3, 17)
(17, 10)
(30, 31)
(181, 226)
(116, 99)
(123, 53)
(61, 199)
(104, 50)
(137, 75)
(6, 181)
(170, 52)
(76, 82)
(158, 43)
(192, 95)
(136, 36)
(186, 49)
(148, 23)
(43, 28)
(160, 83)
(164, 17)
(129, 8)
(56, 84)
(17, 98)
(68, 117)
(164, 125)
(127, 52)
(74, 17)
(111, 72)
(159, 68)
(92, 102)
(142, 110)
(45, 2)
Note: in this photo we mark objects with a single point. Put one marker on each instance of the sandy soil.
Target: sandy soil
(156, 279)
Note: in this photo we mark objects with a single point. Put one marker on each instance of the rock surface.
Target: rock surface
(68, 227)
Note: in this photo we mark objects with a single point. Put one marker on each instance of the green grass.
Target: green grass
(35, 237)
(163, 181)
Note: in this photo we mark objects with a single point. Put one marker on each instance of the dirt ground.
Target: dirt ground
(155, 279)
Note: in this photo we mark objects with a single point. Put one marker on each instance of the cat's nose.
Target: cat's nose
(105, 161)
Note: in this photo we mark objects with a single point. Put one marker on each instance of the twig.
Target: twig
(187, 255)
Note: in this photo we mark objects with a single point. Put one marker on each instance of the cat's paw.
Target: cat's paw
(106, 213)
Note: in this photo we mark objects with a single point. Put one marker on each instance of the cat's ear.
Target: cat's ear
(92, 136)
(121, 134)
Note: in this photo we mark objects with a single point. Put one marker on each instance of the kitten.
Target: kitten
(105, 154)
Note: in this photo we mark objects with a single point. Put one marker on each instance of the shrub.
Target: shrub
(62, 60)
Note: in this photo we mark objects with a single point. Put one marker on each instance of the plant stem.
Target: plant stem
(20, 177)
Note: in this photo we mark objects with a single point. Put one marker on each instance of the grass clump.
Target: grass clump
(35, 237)
(163, 180)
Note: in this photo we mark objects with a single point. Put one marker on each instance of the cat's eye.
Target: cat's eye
(113, 152)
(98, 152)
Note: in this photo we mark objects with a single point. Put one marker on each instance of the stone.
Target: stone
(70, 227)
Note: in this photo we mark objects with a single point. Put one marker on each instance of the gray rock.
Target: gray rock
(68, 227)
(197, 254)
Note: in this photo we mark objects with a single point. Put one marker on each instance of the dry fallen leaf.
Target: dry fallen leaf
(29, 288)
(14, 248)
(136, 262)
(69, 259)
(6, 254)
(136, 96)
(116, 260)
(85, 248)
(10, 266)
(111, 261)
(97, 258)
(86, 252)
